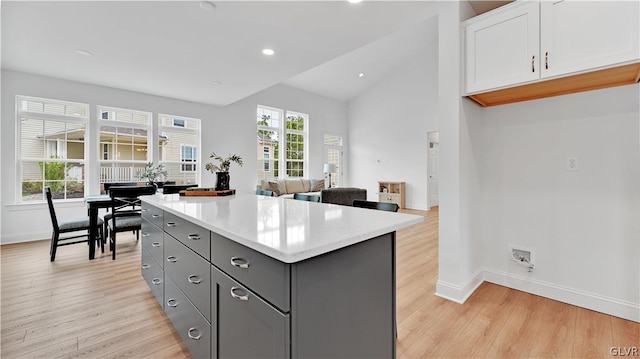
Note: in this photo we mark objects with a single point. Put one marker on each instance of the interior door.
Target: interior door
(333, 155)
(433, 171)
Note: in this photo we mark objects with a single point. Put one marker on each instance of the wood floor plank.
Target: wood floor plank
(76, 308)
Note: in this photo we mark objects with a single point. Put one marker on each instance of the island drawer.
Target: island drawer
(191, 235)
(267, 277)
(153, 214)
(153, 275)
(194, 329)
(152, 241)
(190, 272)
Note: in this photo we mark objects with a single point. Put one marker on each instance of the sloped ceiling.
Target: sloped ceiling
(182, 50)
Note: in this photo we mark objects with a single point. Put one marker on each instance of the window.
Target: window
(187, 158)
(275, 131)
(178, 142)
(266, 157)
(124, 137)
(51, 148)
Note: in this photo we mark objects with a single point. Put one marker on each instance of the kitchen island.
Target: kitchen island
(252, 276)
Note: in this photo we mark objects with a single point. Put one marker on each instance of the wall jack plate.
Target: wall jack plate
(522, 256)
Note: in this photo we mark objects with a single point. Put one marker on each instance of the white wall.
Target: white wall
(224, 130)
(388, 125)
(584, 226)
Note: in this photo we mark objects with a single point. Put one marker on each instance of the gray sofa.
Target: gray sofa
(342, 195)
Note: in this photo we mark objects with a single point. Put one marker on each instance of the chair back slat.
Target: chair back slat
(52, 211)
(383, 206)
(306, 197)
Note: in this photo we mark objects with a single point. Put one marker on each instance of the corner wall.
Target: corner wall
(582, 226)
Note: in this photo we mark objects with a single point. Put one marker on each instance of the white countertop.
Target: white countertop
(285, 229)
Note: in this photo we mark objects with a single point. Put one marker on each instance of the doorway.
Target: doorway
(433, 169)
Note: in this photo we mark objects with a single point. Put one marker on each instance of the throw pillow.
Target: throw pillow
(275, 187)
(295, 186)
(317, 185)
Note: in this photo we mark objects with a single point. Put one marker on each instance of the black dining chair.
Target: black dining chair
(264, 192)
(126, 211)
(176, 188)
(69, 226)
(306, 197)
(383, 206)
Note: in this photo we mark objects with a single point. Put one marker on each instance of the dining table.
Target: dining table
(94, 203)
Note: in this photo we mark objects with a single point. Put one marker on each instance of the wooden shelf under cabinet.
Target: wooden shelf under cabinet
(392, 192)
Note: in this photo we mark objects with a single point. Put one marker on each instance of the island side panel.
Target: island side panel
(343, 302)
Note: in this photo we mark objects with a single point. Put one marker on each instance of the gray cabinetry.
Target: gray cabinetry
(227, 300)
(194, 329)
(191, 235)
(246, 326)
(190, 273)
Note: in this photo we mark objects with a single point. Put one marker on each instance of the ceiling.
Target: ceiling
(191, 51)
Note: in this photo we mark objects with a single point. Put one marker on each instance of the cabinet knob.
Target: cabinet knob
(533, 63)
(172, 259)
(155, 244)
(239, 297)
(194, 337)
(194, 279)
(239, 262)
(145, 266)
(155, 215)
(194, 237)
(546, 60)
(156, 281)
(172, 303)
(145, 234)
(171, 224)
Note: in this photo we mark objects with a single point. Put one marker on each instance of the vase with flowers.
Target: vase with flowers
(222, 169)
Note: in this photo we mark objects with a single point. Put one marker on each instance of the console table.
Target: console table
(255, 276)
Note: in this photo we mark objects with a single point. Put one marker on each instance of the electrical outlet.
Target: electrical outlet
(520, 255)
(572, 164)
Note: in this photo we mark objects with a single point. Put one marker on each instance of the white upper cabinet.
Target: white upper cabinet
(582, 35)
(503, 49)
(530, 41)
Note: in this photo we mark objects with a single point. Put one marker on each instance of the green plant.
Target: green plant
(225, 163)
(151, 173)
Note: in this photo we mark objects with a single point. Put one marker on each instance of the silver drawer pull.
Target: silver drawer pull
(241, 297)
(145, 209)
(194, 337)
(171, 224)
(145, 266)
(172, 259)
(156, 281)
(155, 215)
(145, 234)
(155, 244)
(195, 237)
(239, 262)
(172, 303)
(194, 279)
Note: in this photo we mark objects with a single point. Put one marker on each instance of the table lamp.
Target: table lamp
(329, 168)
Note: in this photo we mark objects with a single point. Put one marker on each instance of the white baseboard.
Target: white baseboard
(456, 293)
(25, 237)
(599, 303)
(596, 302)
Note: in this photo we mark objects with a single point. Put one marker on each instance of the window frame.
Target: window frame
(193, 161)
(282, 132)
(25, 114)
(171, 130)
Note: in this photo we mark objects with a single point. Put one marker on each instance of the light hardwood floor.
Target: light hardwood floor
(76, 308)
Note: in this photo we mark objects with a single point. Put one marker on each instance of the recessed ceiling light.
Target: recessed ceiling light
(268, 52)
(83, 52)
(361, 74)
(207, 6)
(354, 1)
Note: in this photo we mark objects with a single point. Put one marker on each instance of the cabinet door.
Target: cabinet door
(246, 326)
(502, 48)
(581, 35)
